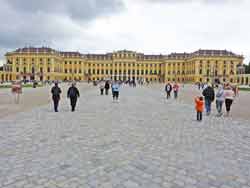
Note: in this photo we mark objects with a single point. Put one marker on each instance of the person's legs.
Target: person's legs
(208, 106)
(218, 106)
(175, 94)
(55, 104)
(228, 105)
(198, 116)
(73, 103)
(168, 95)
(117, 95)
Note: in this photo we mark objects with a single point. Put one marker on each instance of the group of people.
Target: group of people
(224, 95)
(73, 94)
(169, 88)
(115, 87)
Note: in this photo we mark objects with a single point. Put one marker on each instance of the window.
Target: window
(41, 70)
(107, 72)
(66, 71)
(65, 62)
(142, 72)
(48, 69)
(17, 69)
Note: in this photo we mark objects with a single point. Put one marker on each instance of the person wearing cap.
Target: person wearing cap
(73, 94)
(56, 92)
(209, 96)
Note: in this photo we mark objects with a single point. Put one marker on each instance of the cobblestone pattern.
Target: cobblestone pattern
(141, 141)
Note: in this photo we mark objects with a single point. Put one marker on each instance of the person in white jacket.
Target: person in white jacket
(220, 98)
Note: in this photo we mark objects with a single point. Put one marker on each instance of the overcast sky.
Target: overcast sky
(149, 26)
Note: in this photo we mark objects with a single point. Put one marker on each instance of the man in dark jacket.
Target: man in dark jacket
(73, 94)
(209, 95)
(56, 91)
(168, 89)
(107, 86)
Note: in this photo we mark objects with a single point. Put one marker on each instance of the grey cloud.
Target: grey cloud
(30, 22)
(76, 9)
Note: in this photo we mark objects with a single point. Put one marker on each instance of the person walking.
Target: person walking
(176, 90)
(229, 98)
(209, 95)
(102, 87)
(56, 92)
(73, 94)
(220, 98)
(199, 106)
(115, 90)
(107, 87)
(168, 89)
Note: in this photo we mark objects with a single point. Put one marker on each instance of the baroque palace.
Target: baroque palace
(46, 64)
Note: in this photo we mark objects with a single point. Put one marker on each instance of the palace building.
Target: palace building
(46, 64)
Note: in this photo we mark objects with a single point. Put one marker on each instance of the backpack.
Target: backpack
(56, 91)
(72, 93)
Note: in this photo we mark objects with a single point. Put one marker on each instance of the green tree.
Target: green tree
(247, 68)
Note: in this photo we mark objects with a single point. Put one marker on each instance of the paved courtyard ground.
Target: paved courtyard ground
(142, 141)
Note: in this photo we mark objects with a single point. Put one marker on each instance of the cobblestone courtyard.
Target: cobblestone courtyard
(142, 141)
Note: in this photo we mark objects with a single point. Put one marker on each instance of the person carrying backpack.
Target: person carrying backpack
(209, 95)
(168, 89)
(73, 94)
(56, 92)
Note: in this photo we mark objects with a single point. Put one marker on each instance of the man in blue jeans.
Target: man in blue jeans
(209, 95)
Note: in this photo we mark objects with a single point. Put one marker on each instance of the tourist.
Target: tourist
(168, 89)
(115, 90)
(102, 86)
(73, 94)
(107, 86)
(229, 98)
(199, 105)
(176, 90)
(17, 90)
(209, 95)
(220, 98)
(56, 92)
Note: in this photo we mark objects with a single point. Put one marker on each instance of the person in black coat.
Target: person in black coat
(168, 89)
(73, 94)
(56, 92)
(107, 87)
(209, 95)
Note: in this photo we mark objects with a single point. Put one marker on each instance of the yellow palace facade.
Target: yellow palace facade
(46, 64)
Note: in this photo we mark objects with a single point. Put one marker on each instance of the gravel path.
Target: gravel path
(140, 141)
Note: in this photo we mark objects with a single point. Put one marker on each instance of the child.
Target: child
(199, 105)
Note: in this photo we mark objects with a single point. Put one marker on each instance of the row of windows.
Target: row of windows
(142, 72)
(215, 72)
(124, 64)
(24, 59)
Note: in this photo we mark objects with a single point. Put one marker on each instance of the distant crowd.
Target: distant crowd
(221, 94)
